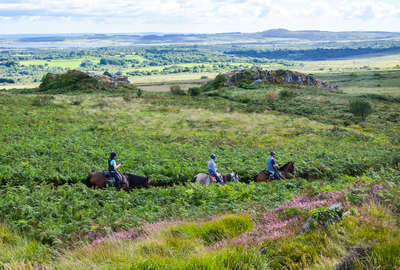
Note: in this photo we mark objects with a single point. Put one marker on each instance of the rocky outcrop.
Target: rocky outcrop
(108, 78)
(257, 76)
(79, 80)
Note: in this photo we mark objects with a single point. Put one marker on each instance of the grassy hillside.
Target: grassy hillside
(51, 141)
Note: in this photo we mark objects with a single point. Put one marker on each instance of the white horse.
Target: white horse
(205, 179)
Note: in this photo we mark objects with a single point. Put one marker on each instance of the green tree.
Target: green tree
(360, 107)
(194, 91)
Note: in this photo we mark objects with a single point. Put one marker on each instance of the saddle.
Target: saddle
(212, 178)
(271, 175)
(111, 180)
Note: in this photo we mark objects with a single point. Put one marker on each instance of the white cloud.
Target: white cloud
(199, 15)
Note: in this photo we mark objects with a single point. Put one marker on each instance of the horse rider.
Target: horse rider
(112, 167)
(212, 169)
(272, 166)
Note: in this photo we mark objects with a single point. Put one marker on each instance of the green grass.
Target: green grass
(15, 248)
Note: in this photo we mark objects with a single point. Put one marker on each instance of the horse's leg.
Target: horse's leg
(126, 183)
(283, 174)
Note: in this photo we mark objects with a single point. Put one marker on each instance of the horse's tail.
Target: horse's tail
(194, 179)
(87, 181)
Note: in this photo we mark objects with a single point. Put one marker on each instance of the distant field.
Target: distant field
(62, 63)
(19, 86)
(170, 78)
(374, 62)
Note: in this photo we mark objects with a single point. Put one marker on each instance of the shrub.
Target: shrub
(217, 83)
(325, 216)
(286, 94)
(203, 77)
(360, 107)
(176, 90)
(194, 91)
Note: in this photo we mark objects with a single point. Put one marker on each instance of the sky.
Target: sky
(195, 16)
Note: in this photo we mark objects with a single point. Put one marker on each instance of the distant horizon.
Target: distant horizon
(192, 33)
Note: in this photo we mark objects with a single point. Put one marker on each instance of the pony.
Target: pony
(263, 176)
(205, 179)
(103, 179)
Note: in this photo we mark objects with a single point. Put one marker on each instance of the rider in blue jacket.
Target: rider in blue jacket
(212, 168)
(112, 167)
(272, 166)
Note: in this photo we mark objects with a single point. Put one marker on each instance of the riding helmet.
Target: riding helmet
(273, 153)
(213, 156)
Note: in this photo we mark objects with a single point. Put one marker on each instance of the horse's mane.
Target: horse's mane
(287, 164)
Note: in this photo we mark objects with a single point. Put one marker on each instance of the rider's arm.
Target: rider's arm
(115, 164)
(274, 164)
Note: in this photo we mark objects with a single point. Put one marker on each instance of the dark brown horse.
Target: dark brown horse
(263, 176)
(129, 181)
(99, 180)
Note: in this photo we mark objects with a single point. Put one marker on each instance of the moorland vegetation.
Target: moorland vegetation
(53, 137)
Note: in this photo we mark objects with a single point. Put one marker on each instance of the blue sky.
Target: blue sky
(195, 16)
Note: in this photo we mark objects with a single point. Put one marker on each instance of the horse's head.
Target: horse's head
(288, 168)
(291, 169)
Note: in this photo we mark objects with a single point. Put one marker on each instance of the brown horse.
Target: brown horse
(263, 176)
(99, 180)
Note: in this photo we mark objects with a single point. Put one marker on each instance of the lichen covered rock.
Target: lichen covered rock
(257, 75)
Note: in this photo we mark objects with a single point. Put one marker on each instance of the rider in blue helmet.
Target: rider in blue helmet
(212, 169)
(272, 166)
(112, 167)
